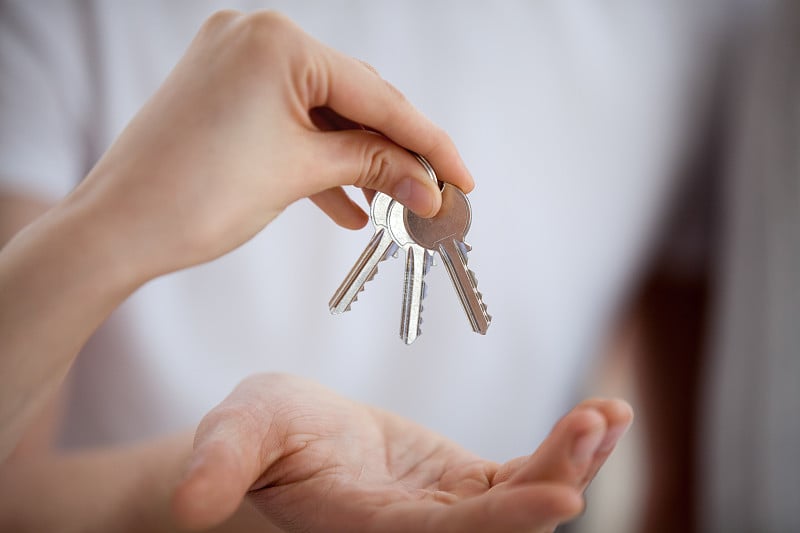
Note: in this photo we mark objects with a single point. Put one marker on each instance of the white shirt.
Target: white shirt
(573, 118)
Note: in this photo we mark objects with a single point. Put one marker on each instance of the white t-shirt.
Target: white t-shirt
(573, 118)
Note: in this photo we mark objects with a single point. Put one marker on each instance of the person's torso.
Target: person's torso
(571, 119)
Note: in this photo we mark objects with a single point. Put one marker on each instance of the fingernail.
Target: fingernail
(612, 437)
(414, 196)
(586, 446)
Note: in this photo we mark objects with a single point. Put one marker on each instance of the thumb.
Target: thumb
(227, 459)
(371, 161)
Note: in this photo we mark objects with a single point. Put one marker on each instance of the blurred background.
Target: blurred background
(635, 231)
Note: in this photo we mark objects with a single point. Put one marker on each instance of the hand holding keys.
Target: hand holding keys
(395, 226)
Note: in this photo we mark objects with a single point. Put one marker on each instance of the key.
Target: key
(418, 262)
(380, 246)
(445, 234)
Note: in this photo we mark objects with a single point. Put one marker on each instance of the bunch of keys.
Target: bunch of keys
(396, 227)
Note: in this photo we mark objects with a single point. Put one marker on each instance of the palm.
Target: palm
(324, 463)
(361, 461)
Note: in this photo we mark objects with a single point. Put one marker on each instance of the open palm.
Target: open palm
(314, 461)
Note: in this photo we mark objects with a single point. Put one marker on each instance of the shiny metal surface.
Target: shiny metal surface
(418, 262)
(445, 233)
(396, 227)
(379, 247)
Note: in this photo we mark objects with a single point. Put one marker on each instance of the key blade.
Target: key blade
(417, 264)
(464, 282)
(379, 248)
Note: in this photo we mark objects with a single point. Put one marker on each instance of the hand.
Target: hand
(237, 133)
(313, 461)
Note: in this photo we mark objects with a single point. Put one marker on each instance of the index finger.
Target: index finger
(360, 94)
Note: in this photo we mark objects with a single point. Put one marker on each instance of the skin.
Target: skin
(215, 155)
(325, 463)
(307, 459)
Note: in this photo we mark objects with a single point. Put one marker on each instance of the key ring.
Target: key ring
(428, 168)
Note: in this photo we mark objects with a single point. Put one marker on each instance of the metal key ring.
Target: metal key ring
(420, 158)
(428, 168)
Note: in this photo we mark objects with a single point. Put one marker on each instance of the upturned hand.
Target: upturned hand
(311, 460)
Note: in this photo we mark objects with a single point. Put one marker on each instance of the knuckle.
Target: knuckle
(396, 93)
(268, 20)
(267, 27)
(219, 20)
(213, 419)
(576, 507)
(375, 167)
(369, 67)
(256, 380)
(267, 36)
(580, 506)
(238, 415)
(436, 138)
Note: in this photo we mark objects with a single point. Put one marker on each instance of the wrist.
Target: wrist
(60, 277)
(110, 216)
(139, 225)
(92, 249)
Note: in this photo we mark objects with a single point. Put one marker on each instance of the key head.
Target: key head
(451, 222)
(379, 209)
(397, 226)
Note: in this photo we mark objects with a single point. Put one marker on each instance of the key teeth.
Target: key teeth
(480, 297)
(474, 279)
(370, 278)
(465, 248)
(430, 260)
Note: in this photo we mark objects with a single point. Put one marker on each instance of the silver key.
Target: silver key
(380, 246)
(445, 233)
(418, 262)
